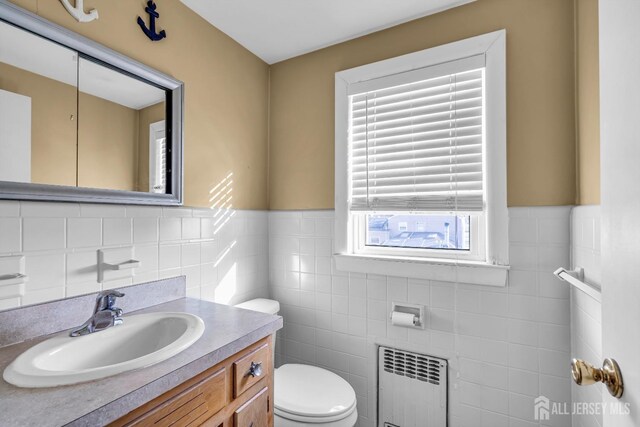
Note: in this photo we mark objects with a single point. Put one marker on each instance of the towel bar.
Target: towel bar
(13, 279)
(576, 278)
(127, 265)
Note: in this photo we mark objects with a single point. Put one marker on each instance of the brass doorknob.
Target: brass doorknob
(584, 373)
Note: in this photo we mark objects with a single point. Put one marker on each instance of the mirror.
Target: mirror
(115, 116)
(38, 109)
(79, 122)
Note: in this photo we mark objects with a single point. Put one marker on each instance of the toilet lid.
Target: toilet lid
(310, 392)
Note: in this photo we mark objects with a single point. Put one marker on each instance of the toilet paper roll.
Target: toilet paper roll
(403, 319)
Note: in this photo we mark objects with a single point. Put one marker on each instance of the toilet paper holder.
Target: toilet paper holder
(417, 310)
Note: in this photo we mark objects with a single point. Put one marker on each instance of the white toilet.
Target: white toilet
(304, 395)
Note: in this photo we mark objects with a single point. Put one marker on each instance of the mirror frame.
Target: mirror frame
(18, 17)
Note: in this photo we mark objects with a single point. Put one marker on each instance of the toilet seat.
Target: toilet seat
(312, 395)
(350, 421)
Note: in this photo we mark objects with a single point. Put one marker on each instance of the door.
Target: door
(620, 162)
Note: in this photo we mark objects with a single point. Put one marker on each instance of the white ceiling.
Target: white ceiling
(276, 30)
(114, 86)
(24, 50)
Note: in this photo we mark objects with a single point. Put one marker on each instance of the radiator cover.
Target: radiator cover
(412, 389)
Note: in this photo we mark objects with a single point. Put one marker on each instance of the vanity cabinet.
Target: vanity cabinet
(237, 392)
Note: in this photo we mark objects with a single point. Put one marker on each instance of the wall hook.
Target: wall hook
(151, 30)
(78, 11)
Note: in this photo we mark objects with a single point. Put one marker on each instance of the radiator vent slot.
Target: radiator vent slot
(412, 389)
(412, 365)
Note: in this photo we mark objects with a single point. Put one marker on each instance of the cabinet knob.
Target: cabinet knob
(256, 369)
(584, 373)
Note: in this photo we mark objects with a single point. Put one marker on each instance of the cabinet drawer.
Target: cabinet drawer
(254, 413)
(196, 403)
(242, 374)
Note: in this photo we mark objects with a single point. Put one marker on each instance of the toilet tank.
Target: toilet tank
(263, 305)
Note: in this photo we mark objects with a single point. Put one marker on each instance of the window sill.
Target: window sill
(443, 270)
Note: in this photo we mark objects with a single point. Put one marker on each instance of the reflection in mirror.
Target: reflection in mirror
(121, 131)
(38, 109)
(157, 157)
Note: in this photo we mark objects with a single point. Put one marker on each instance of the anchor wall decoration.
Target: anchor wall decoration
(78, 11)
(153, 15)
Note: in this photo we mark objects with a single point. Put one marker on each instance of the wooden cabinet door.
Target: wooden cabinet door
(254, 413)
(190, 407)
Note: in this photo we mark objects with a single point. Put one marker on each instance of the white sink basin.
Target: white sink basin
(142, 340)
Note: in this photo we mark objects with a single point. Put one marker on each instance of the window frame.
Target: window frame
(492, 270)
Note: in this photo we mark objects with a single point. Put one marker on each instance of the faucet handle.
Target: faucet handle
(106, 300)
(111, 293)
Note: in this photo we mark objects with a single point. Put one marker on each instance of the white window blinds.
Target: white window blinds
(416, 139)
(160, 179)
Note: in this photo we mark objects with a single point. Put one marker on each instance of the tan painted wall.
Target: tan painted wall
(107, 144)
(53, 141)
(588, 102)
(226, 90)
(540, 87)
(227, 97)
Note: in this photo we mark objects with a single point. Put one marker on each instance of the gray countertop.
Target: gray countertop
(227, 331)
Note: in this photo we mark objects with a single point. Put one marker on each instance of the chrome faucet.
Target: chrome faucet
(105, 315)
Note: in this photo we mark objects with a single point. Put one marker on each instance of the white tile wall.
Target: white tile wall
(60, 243)
(586, 314)
(506, 346)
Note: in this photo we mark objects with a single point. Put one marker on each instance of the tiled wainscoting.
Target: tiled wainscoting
(223, 253)
(586, 315)
(506, 346)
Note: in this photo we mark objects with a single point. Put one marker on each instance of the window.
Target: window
(157, 158)
(406, 230)
(421, 162)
